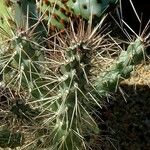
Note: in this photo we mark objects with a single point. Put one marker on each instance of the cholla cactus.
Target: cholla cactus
(109, 80)
(55, 77)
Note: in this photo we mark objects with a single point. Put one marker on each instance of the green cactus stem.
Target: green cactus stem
(6, 22)
(72, 120)
(21, 15)
(26, 15)
(109, 80)
(19, 52)
(20, 63)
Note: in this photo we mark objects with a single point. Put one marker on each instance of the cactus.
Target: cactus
(18, 60)
(5, 19)
(109, 80)
(57, 13)
(72, 93)
(54, 76)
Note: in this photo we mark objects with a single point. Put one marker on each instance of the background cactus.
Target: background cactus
(53, 75)
(57, 13)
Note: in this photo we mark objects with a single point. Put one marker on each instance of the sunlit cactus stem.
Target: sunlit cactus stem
(25, 16)
(109, 80)
(71, 106)
(20, 68)
(26, 11)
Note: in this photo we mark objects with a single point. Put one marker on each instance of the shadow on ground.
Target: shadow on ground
(126, 124)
